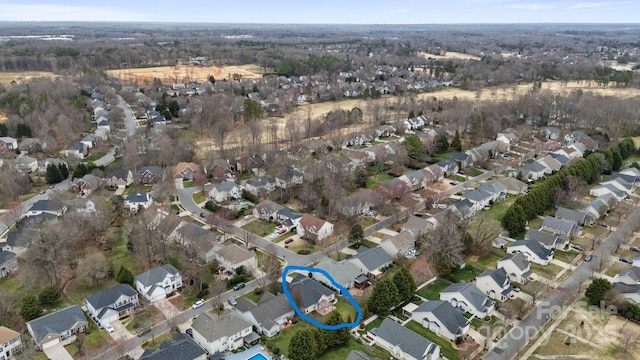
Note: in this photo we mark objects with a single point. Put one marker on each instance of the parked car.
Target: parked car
(109, 328)
(238, 286)
(516, 289)
(232, 301)
(588, 258)
(453, 182)
(203, 215)
(198, 304)
(626, 261)
(189, 332)
(634, 248)
(576, 247)
(288, 241)
(143, 332)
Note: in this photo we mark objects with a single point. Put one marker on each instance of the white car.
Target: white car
(198, 304)
(109, 328)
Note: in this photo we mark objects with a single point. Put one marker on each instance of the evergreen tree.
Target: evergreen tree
(49, 295)
(30, 308)
(335, 338)
(414, 146)
(356, 234)
(64, 170)
(53, 175)
(442, 144)
(456, 144)
(384, 296)
(405, 284)
(411, 115)
(303, 346)
(597, 289)
(125, 276)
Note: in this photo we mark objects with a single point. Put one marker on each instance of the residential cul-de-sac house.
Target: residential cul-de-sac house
(261, 185)
(342, 272)
(468, 298)
(10, 343)
(561, 226)
(8, 263)
(119, 178)
(517, 267)
(159, 282)
(58, 326)
(76, 150)
(269, 315)
(150, 174)
(314, 229)
(182, 347)
(220, 333)
(441, 318)
(310, 295)
(548, 240)
(496, 189)
(532, 250)
(52, 207)
(371, 261)
(232, 256)
(224, 191)
(112, 304)
(580, 218)
(137, 200)
(186, 170)
(494, 283)
(403, 343)
(399, 245)
(267, 210)
(478, 198)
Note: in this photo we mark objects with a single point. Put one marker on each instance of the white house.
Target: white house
(516, 266)
(112, 304)
(226, 190)
(494, 283)
(10, 343)
(269, 315)
(313, 228)
(261, 186)
(441, 318)
(468, 298)
(403, 343)
(532, 250)
(233, 256)
(53, 207)
(157, 283)
(220, 333)
(138, 199)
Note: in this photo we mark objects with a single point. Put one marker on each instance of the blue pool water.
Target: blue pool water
(257, 357)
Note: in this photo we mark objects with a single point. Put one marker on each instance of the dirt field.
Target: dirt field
(451, 55)
(183, 73)
(3, 117)
(7, 77)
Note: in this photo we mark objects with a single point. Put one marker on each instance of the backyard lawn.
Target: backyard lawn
(282, 340)
(616, 267)
(260, 227)
(490, 261)
(432, 291)
(446, 348)
(465, 275)
(500, 208)
(375, 180)
(374, 324)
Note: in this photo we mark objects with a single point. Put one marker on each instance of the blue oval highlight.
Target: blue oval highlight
(335, 284)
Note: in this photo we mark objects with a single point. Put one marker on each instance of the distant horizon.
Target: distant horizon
(329, 12)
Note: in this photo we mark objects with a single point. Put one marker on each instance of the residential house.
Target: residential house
(314, 229)
(577, 217)
(269, 315)
(112, 304)
(119, 178)
(371, 261)
(632, 172)
(89, 141)
(464, 208)
(138, 199)
(84, 206)
(463, 159)
(159, 282)
(233, 256)
(267, 210)
(415, 123)
(636, 261)
(358, 355)
(550, 132)
(630, 293)
(532, 250)
(417, 226)
(441, 318)
(186, 170)
(27, 164)
(629, 276)
(514, 186)
(414, 179)
(548, 240)
(597, 207)
(495, 283)
(550, 163)
(435, 172)
(546, 147)
(10, 343)
(628, 181)
(478, 198)
(516, 266)
(150, 175)
(289, 218)
(309, 294)
(485, 151)
(561, 226)
(620, 184)
(8, 263)
(224, 191)
(58, 326)
(8, 144)
(290, 177)
(343, 272)
(448, 167)
(42, 164)
(52, 207)
(568, 152)
(76, 150)
(560, 158)
(187, 232)
(261, 185)
(220, 333)
(182, 347)
(533, 171)
(103, 125)
(496, 189)
(356, 203)
(403, 343)
(85, 184)
(468, 298)
(386, 131)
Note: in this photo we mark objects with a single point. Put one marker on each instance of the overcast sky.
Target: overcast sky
(325, 11)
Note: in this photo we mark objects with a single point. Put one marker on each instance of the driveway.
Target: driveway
(166, 308)
(58, 352)
(119, 331)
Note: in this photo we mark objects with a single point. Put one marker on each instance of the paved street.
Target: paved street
(129, 117)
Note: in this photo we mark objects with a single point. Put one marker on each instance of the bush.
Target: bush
(49, 295)
(304, 252)
(276, 351)
(211, 206)
(257, 291)
(250, 197)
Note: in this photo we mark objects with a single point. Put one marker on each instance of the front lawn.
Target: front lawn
(616, 267)
(251, 295)
(155, 342)
(366, 221)
(260, 227)
(532, 287)
(199, 197)
(303, 246)
(94, 341)
(93, 157)
(565, 256)
(365, 243)
(144, 319)
(549, 271)
(375, 180)
(446, 348)
(374, 324)
(432, 291)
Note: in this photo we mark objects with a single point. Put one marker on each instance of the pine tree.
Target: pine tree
(303, 346)
(53, 175)
(64, 170)
(384, 296)
(30, 308)
(125, 276)
(456, 144)
(405, 284)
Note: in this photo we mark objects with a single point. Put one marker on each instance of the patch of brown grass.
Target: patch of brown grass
(179, 303)
(7, 77)
(185, 73)
(421, 269)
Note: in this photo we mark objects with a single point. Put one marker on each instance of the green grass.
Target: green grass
(374, 324)
(616, 267)
(493, 323)
(565, 256)
(432, 291)
(176, 208)
(490, 261)
(260, 227)
(11, 285)
(535, 223)
(94, 157)
(283, 237)
(188, 184)
(144, 319)
(346, 310)
(532, 287)
(365, 243)
(155, 342)
(464, 275)
(246, 175)
(82, 290)
(379, 235)
(134, 188)
(199, 197)
(439, 157)
(500, 208)
(93, 340)
(549, 271)
(282, 340)
(366, 221)
(446, 348)
(302, 245)
(375, 180)
(120, 255)
(251, 295)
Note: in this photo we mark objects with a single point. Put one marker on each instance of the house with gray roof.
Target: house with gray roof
(561, 226)
(449, 166)
(631, 172)
(267, 210)
(463, 159)
(514, 186)
(604, 189)
(182, 347)
(533, 171)
(495, 283)
(356, 203)
(157, 283)
(112, 304)
(51, 207)
(464, 208)
(597, 208)
(150, 174)
(403, 343)
(414, 179)
(261, 185)
(343, 272)
(578, 217)
(358, 355)
(371, 261)
(86, 184)
(627, 177)
(224, 191)
(417, 225)
(269, 315)
(495, 188)
(468, 298)
(8, 263)
(138, 199)
(630, 293)
(548, 240)
(532, 250)
(55, 327)
(290, 177)
(516, 266)
(621, 184)
(560, 158)
(76, 150)
(289, 218)
(309, 294)
(220, 333)
(441, 318)
(119, 178)
(629, 276)
(479, 198)
(400, 244)
(550, 163)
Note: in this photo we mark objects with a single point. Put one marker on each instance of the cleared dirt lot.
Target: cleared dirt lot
(184, 73)
(451, 55)
(7, 77)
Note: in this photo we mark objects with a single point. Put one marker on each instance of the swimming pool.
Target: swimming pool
(257, 357)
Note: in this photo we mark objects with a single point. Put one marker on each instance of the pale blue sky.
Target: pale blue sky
(326, 11)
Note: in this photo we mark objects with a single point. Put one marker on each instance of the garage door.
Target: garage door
(51, 343)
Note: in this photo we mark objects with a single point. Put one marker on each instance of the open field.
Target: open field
(7, 77)
(450, 55)
(184, 73)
